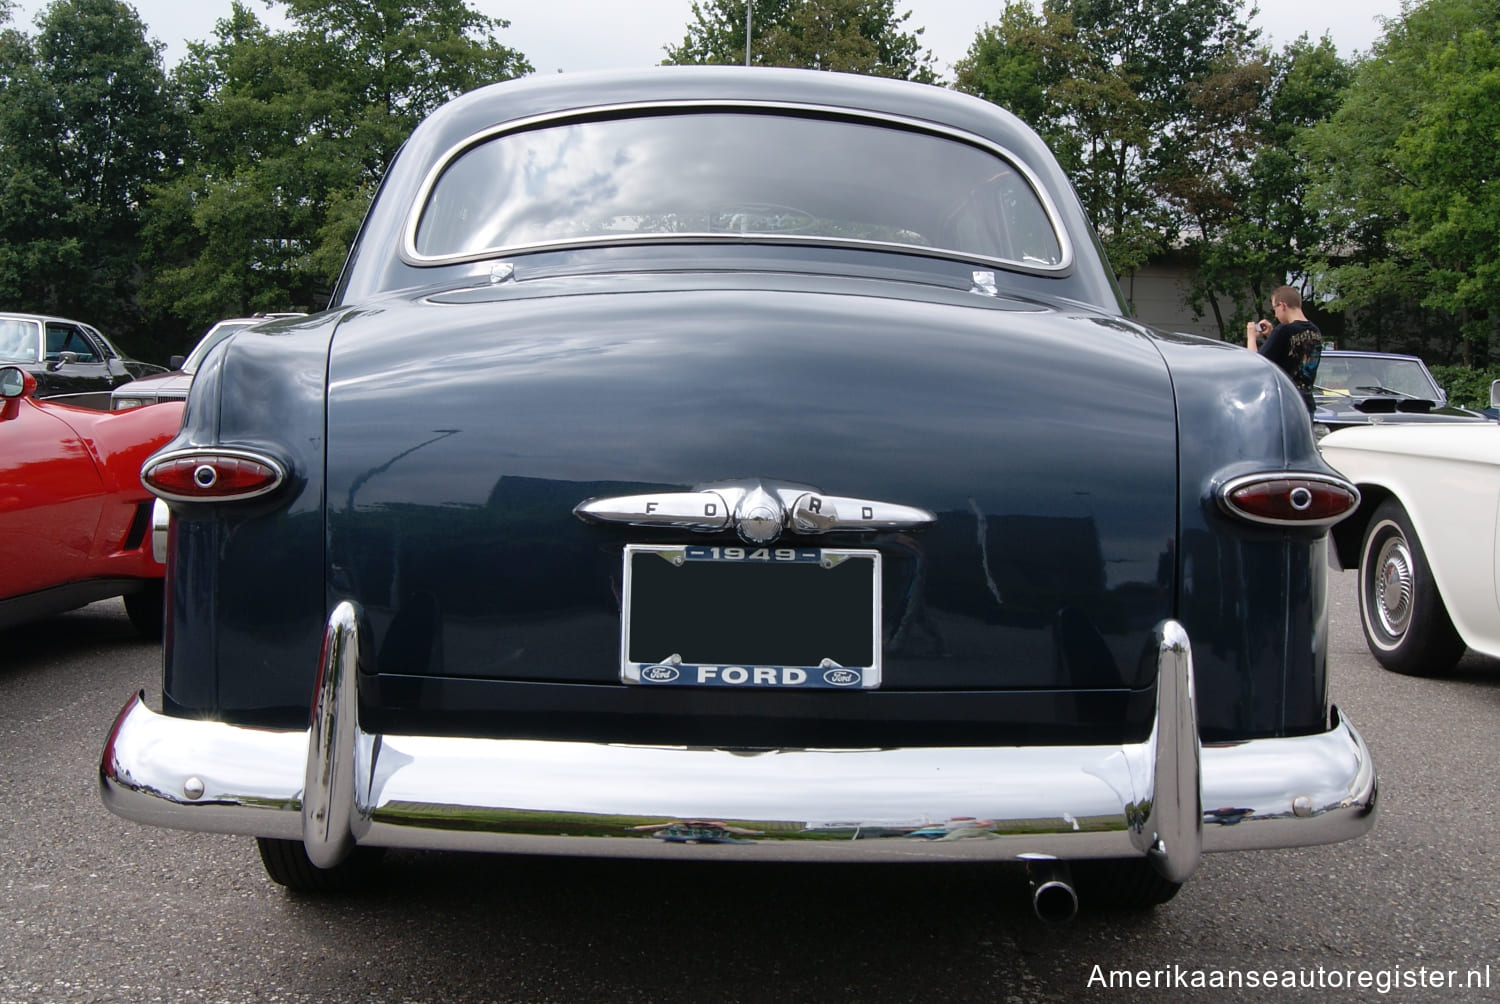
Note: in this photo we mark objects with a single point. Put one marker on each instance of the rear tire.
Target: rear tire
(1404, 620)
(1122, 884)
(287, 864)
(146, 608)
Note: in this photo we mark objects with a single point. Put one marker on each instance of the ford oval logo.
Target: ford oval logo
(840, 677)
(659, 673)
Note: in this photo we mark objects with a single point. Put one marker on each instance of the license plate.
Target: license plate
(753, 618)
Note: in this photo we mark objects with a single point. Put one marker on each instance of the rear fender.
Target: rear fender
(219, 648)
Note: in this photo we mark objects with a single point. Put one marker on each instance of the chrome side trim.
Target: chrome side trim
(334, 786)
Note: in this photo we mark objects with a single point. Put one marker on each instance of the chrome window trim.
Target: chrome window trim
(411, 256)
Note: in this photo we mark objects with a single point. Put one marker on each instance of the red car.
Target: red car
(75, 522)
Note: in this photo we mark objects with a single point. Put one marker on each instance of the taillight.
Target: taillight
(1289, 499)
(211, 475)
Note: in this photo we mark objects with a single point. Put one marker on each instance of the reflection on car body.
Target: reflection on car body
(775, 351)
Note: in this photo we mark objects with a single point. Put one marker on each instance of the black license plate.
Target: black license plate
(751, 617)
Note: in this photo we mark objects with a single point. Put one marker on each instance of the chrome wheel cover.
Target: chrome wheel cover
(1391, 588)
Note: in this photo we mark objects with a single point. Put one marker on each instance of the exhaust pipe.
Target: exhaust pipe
(1053, 897)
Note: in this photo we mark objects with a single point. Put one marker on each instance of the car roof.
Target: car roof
(11, 315)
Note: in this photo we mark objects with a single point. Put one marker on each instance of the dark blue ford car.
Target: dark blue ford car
(711, 461)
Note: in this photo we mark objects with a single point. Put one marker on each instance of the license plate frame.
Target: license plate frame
(811, 616)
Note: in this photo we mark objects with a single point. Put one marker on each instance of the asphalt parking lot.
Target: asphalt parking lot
(99, 909)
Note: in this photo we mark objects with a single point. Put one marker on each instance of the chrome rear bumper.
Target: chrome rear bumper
(334, 786)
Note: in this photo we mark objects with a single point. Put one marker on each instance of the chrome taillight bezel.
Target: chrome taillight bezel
(1296, 481)
(206, 456)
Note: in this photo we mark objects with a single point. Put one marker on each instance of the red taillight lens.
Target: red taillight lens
(1290, 499)
(211, 475)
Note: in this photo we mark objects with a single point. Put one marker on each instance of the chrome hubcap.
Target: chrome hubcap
(1393, 586)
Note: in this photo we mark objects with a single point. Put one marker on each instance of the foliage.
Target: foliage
(1404, 167)
(1467, 387)
(88, 121)
(1021, 62)
(154, 202)
(1132, 95)
(716, 34)
(291, 132)
(848, 36)
(1246, 196)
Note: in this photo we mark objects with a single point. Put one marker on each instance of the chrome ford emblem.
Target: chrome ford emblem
(660, 673)
(759, 511)
(759, 516)
(841, 678)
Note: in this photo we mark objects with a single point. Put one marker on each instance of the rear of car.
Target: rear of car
(696, 474)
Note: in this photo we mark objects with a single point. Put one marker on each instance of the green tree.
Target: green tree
(87, 123)
(716, 33)
(1404, 170)
(1020, 63)
(1152, 60)
(37, 253)
(291, 133)
(1117, 88)
(1244, 189)
(394, 61)
(849, 36)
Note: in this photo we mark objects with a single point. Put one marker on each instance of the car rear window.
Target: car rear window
(734, 175)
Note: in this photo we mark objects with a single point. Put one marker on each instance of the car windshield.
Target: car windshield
(17, 340)
(734, 175)
(215, 335)
(1365, 375)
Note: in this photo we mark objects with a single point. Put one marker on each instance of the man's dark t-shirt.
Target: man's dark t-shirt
(1296, 347)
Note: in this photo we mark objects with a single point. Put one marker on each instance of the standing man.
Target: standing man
(1294, 343)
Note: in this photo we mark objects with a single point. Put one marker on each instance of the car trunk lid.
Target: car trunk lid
(1043, 447)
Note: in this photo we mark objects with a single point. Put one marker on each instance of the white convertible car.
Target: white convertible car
(1424, 539)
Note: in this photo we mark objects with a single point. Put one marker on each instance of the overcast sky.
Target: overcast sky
(607, 34)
